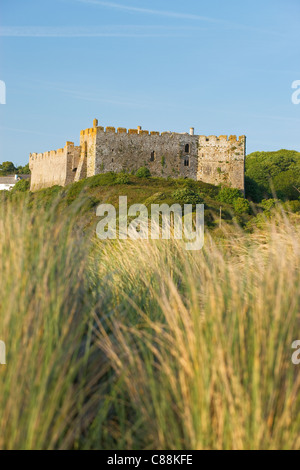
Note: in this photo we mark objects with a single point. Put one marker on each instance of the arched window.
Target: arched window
(153, 155)
(187, 161)
(187, 148)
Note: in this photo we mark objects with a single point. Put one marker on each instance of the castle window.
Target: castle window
(153, 155)
(187, 161)
(112, 160)
(74, 169)
(187, 148)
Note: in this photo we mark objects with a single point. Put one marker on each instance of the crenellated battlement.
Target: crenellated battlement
(212, 159)
(54, 167)
(92, 131)
(222, 138)
(53, 153)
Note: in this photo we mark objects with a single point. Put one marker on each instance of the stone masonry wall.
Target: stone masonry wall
(56, 167)
(164, 154)
(222, 160)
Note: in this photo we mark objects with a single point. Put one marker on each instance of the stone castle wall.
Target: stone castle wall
(215, 160)
(222, 160)
(54, 168)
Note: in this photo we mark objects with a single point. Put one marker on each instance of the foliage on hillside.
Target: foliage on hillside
(267, 174)
(107, 187)
(222, 205)
(270, 173)
(8, 168)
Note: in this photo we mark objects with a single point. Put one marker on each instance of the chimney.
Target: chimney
(95, 122)
(192, 131)
(139, 129)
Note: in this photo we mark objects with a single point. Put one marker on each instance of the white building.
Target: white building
(8, 182)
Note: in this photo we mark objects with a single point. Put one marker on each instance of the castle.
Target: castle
(215, 160)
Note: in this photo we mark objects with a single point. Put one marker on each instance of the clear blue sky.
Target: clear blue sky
(223, 67)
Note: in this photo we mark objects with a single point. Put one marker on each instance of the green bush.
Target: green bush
(268, 204)
(292, 206)
(21, 186)
(187, 196)
(122, 178)
(104, 179)
(241, 206)
(228, 195)
(143, 172)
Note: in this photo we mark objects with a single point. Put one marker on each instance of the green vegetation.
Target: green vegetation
(241, 206)
(122, 178)
(229, 195)
(107, 188)
(270, 173)
(187, 196)
(21, 186)
(8, 168)
(143, 172)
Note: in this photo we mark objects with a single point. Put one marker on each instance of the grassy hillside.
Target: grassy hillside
(106, 188)
(222, 205)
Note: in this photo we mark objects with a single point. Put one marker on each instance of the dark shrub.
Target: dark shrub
(143, 172)
(187, 196)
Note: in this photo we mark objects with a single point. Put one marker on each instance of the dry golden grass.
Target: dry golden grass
(133, 345)
(202, 343)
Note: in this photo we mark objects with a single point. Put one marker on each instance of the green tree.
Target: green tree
(7, 168)
(269, 172)
(23, 170)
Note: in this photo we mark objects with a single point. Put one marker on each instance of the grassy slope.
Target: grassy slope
(105, 189)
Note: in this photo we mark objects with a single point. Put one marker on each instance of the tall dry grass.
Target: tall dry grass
(201, 341)
(45, 398)
(134, 345)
